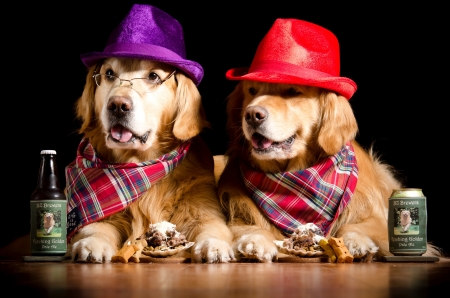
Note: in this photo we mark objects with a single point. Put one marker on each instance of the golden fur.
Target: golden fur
(187, 197)
(321, 122)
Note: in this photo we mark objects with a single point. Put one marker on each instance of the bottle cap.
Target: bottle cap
(48, 152)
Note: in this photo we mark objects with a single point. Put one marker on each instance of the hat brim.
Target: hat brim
(343, 86)
(147, 52)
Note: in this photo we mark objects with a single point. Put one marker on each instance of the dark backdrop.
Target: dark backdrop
(396, 55)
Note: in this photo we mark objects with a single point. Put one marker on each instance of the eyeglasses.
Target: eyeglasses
(148, 84)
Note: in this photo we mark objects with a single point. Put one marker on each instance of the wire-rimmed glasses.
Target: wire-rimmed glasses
(148, 84)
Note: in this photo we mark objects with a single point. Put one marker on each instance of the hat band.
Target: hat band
(288, 69)
(139, 49)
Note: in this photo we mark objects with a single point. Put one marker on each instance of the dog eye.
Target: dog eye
(109, 75)
(293, 92)
(154, 78)
(109, 72)
(252, 91)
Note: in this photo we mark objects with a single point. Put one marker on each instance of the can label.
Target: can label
(407, 223)
(48, 227)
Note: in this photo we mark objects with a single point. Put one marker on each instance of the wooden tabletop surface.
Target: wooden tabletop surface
(245, 279)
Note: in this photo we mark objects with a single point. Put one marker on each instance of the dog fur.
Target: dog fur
(49, 222)
(187, 197)
(321, 123)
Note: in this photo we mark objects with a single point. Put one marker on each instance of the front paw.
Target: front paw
(92, 249)
(255, 247)
(212, 250)
(360, 246)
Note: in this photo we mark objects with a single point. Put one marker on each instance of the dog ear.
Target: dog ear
(191, 117)
(84, 106)
(338, 123)
(234, 113)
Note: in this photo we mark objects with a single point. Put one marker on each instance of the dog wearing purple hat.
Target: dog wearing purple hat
(293, 160)
(141, 160)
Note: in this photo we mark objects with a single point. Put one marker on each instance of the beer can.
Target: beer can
(407, 222)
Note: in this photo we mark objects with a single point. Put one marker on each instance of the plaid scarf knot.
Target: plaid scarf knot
(314, 195)
(97, 189)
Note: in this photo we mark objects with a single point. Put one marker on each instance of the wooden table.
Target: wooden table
(280, 280)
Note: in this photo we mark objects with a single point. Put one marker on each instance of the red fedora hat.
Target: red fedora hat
(297, 52)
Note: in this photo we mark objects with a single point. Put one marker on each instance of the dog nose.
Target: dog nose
(119, 105)
(255, 116)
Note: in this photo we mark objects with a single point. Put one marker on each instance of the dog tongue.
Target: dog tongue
(260, 142)
(121, 134)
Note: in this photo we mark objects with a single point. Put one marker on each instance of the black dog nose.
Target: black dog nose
(119, 105)
(255, 116)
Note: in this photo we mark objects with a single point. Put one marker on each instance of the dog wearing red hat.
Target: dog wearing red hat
(141, 161)
(293, 161)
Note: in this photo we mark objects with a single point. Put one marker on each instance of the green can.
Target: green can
(407, 222)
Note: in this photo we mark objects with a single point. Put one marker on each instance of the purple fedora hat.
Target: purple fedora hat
(148, 33)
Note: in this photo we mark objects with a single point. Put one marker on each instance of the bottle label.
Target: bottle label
(48, 231)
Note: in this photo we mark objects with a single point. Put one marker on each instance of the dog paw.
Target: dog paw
(256, 247)
(212, 250)
(92, 249)
(360, 246)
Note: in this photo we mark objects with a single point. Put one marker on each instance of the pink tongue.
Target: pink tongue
(121, 134)
(261, 143)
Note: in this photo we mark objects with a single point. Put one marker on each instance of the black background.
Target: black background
(397, 56)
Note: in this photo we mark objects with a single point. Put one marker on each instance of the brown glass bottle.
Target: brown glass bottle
(48, 205)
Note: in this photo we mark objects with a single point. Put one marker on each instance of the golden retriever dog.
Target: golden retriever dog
(293, 158)
(405, 220)
(49, 222)
(137, 111)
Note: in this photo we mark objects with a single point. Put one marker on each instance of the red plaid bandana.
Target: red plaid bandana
(315, 195)
(97, 189)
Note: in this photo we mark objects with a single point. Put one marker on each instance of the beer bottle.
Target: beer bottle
(48, 205)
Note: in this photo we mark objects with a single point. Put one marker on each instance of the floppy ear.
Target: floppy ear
(85, 104)
(338, 124)
(191, 118)
(234, 119)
